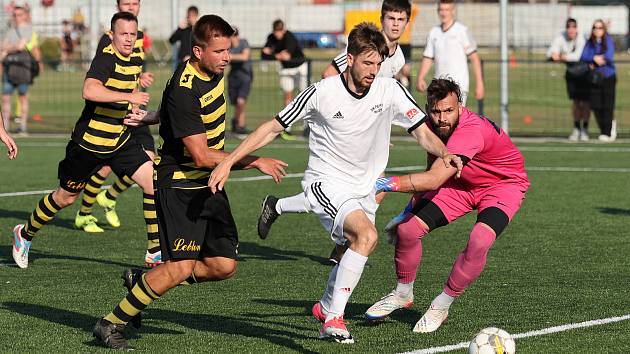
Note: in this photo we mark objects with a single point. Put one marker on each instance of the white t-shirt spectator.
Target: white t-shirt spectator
(450, 50)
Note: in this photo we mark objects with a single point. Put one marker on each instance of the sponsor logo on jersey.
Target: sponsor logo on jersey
(377, 108)
(411, 113)
(338, 115)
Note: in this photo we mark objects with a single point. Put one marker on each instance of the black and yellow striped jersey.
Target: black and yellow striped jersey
(100, 128)
(192, 103)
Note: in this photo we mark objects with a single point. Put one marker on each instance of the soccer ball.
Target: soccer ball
(492, 340)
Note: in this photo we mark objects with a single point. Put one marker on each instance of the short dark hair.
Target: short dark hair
(278, 25)
(210, 26)
(396, 6)
(118, 2)
(439, 89)
(192, 8)
(123, 15)
(446, 2)
(571, 21)
(366, 36)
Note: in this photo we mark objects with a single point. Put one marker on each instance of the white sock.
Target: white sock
(443, 301)
(295, 204)
(348, 275)
(404, 290)
(326, 300)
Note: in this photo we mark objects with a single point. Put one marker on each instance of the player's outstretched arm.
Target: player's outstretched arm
(431, 143)
(254, 141)
(94, 90)
(421, 85)
(139, 117)
(416, 182)
(479, 86)
(12, 149)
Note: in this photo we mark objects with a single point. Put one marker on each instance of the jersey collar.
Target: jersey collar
(201, 76)
(353, 94)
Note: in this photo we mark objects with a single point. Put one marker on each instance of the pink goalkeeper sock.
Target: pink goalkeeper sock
(409, 248)
(470, 263)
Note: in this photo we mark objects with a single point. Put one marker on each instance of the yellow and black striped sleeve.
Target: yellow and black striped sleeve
(101, 68)
(185, 109)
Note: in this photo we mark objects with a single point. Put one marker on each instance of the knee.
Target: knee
(63, 198)
(180, 270)
(411, 229)
(225, 270)
(367, 239)
(480, 242)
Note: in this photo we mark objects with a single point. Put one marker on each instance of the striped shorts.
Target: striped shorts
(332, 203)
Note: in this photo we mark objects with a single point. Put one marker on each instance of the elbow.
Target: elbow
(86, 93)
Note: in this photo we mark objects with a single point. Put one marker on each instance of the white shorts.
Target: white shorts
(464, 95)
(294, 77)
(332, 203)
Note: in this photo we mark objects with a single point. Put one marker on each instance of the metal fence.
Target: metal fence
(537, 99)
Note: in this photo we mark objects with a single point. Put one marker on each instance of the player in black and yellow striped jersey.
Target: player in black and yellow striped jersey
(107, 198)
(197, 231)
(99, 137)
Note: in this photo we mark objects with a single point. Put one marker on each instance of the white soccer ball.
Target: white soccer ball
(492, 340)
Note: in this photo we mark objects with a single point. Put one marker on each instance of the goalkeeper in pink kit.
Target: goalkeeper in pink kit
(493, 182)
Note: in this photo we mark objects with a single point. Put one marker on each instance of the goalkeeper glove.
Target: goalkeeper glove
(387, 184)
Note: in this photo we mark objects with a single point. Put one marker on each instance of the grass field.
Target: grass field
(563, 260)
(536, 89)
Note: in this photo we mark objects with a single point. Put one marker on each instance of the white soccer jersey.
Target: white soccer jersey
(450, 50)
(389, 67)
(571, 48)
(349, 134)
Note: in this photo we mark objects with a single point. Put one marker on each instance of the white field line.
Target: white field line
(393, 169)
(610, 149)
(540, 332)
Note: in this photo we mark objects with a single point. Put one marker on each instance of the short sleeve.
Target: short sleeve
(299, 108)
(467, 140)
(470, 45)
(406, 112)
(556, 46)
(184, 109)
(103, 42)
(429, 51)
(340, 62)
(101, 67)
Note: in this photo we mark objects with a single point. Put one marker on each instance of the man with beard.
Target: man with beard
(493, 182)
(350, 117)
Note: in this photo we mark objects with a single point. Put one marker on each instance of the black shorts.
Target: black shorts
(194, 224)
(142, 135)
(577, 88)
(80, 164)
(239, 86)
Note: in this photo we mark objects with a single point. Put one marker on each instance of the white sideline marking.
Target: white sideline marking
(399, 147)
(540, 332)
(393, 169)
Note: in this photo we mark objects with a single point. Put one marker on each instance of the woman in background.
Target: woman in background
(599, 52)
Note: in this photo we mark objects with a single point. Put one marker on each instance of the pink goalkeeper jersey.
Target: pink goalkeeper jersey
(492, 155)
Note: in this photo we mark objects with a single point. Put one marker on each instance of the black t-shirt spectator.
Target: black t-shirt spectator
(183, 36)
(288, 43)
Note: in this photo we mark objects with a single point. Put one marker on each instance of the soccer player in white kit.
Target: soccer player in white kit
(395, 15)
(350, 117)
(449, 45)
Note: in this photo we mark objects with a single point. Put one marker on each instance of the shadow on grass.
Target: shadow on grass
(238, 327)
(614, 211)
(34, 256)
(355, 312)
(255, 251)
(23, 216)
(73, 319)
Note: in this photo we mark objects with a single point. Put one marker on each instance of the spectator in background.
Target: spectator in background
(66, 46)
(21, 60)
(599, 53)
(567, 47)
(449, 45)
(239, 80)
(282, 45)
(182, 34)
(78, 21)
